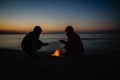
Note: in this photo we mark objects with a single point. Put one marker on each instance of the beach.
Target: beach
(88, 27)
(17, 64)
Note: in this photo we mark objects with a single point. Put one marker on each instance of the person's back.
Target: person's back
(31, 42)
(74, 44)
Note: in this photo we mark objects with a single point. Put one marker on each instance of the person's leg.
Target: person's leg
(66, 54)
(77, 57)
(39, 45)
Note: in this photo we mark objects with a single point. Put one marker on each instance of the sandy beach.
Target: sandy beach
(16, 64)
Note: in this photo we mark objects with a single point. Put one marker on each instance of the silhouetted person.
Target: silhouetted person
(73, 45)
(31, 42)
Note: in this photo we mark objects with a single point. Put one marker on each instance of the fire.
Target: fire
(56, 53)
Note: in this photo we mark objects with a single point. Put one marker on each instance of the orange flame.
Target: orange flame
(56, 53)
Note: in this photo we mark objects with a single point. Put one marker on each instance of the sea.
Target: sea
(93, 43)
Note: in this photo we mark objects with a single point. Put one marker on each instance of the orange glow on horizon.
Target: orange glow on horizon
(51, 28)
(47, 30)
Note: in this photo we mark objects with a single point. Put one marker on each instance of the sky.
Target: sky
(55, 15)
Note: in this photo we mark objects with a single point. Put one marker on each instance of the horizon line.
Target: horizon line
(79, 32)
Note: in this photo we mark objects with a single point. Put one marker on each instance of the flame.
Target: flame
(56, 53)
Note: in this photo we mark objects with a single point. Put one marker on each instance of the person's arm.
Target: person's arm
(63, 42)
(45, 44)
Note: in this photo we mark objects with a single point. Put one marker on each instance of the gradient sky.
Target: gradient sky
(55, 15)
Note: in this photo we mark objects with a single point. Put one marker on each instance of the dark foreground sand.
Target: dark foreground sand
(15, 64)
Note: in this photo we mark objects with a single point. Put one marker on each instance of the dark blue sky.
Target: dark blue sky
(55, 15)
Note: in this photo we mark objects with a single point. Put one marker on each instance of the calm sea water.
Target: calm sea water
(93, 43)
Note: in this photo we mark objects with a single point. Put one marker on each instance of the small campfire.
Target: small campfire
(56, 53)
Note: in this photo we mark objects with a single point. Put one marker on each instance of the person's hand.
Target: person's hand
(45, 44)
(63, 41)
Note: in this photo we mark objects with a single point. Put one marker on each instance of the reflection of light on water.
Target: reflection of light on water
(11, 41)
(93, 43)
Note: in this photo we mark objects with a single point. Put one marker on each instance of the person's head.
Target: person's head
(69, 29)
(37, 30)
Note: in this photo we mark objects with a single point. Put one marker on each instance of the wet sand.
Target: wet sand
(16, 64)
